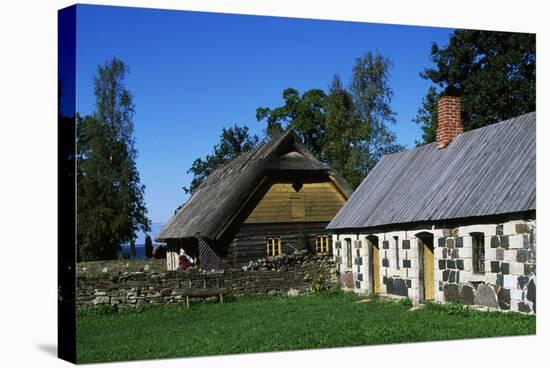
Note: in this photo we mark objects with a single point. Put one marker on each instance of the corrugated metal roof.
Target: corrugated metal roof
(486, 171)
(221, 195)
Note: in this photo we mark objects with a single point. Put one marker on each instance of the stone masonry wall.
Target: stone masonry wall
(508, 283)
(263, 277)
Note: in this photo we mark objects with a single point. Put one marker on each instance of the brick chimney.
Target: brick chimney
(449, 123)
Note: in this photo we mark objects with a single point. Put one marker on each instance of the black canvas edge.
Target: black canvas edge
(66, 189)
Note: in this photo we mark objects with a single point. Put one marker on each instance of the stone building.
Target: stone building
(271, 200)
(453, 220)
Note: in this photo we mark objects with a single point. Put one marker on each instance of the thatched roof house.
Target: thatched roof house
(251, 193)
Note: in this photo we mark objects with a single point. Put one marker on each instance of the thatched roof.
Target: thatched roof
(482, 172)
(222, 194)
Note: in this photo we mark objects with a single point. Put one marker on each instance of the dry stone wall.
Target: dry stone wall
(297, 272)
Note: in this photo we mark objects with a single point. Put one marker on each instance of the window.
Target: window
(478, 252)
(396, 239)
(321, 245)
(348, 252)
(273, 246)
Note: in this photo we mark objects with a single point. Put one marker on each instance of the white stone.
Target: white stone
(105, 269)
(510, 255)
(516, 294)
(514, 304)
(515, 241)
(510, 281)
(516, 268)
(486, 229)
(509, 227)
(490, 254)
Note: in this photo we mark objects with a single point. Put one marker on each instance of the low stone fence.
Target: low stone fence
(264, 277)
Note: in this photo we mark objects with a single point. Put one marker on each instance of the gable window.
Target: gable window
(478, 252)
(348, 252)
(396, 239)
(321, 245)
(273, 246)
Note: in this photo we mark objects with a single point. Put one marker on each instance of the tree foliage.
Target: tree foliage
(233, 141)
(110, 204)
(345, 128)
(304, 113)
(494, 72)
(426, 116)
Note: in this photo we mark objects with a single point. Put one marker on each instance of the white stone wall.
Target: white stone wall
(509, 280)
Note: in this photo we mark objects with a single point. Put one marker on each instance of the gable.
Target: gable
(313, 202)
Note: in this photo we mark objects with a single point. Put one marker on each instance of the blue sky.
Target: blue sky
(193, 73)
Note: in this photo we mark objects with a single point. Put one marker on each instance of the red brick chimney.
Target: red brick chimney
(449, 124)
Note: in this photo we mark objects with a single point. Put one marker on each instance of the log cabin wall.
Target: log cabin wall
(249, 244)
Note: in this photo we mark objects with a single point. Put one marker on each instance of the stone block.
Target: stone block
(509, 228)
(505, 268)
(503, 297)
(442, 264)
(406, 244)
(516, 294)
(510, 281)
(450, 243)
(406, 263)
(459, 242)
(495, 241)
(495, 266)
(531, 294)
(466, 295)
(516, 241)
(530, 268)
(499, 254)
(499, 229)
(441, 242)
(386, 244)
(451, 264)
(522, 255)
(460, 264)
(486, 296)
(523, 228)
(517, 268)
(510, 255)
(524, 307)
(450, 292)
(504, 242)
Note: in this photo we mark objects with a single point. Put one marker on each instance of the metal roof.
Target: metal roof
(486, 171)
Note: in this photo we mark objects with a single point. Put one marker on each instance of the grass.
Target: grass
(249, 325)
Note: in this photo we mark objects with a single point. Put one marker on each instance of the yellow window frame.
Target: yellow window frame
(321, 245)
(273, 246)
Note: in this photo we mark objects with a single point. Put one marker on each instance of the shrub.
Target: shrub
(406, 303)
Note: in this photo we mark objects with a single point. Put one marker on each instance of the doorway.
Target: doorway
(374, 264)
(427, 269)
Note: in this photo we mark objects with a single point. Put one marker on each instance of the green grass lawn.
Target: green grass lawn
(251, 325)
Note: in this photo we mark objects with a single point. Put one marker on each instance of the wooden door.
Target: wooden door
(428, 266)
(376, 267)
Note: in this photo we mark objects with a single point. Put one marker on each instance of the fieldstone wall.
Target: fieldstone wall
(279, 275)
(508, 281)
